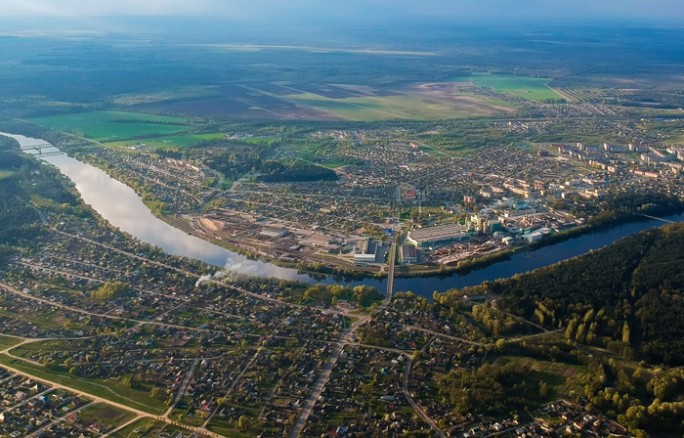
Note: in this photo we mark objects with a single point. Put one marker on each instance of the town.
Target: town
(152, 351)
(447, 209)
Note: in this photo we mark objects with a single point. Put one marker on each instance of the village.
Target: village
(181, 358)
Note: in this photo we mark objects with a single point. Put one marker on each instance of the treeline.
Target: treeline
(626, 297)
(234, 166)
(294, 171)
(317, 294)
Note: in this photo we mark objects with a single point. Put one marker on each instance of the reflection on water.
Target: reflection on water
(121, 206)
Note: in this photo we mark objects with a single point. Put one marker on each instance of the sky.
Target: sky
(361, 11)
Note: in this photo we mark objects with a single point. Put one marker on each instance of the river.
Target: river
(121, 206)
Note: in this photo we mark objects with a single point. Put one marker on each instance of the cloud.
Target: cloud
(70, 8)
(349, 10)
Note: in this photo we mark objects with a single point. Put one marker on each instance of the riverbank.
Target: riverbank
(130, 215)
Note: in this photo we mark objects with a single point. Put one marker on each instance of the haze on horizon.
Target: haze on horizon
(293, 13)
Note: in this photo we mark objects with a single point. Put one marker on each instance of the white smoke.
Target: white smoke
(203, 279)
(230, 271)
(248, 268)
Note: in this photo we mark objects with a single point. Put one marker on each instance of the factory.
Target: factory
(438, 234)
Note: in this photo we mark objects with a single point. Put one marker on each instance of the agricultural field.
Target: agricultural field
(296, 101)
(526, 87)
(171, 142)
(107, 126)
(374, 108)
(423, 101)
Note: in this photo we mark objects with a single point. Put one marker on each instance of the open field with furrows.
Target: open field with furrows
(295, 101)
(237, 102)
(114, 125)
(419, 102)
(526, 87)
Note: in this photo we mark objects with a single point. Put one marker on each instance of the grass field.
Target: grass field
(675, 140)
(527, 87)
(109, 389)
(188, 141)
(6, 341)
(114, 125)
(556, 374)
(332, 164)
(406, 106)
(173, 142)
(110, 416)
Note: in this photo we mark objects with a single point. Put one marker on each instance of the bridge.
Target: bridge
(656, 218)
(28, 147)
(391, 262)
(40, 150)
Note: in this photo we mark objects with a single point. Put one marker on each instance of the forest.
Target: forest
(626, 297)
(616, 311)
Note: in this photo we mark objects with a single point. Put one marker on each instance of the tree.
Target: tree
(543, 389)
(243, 423)
(626, 333)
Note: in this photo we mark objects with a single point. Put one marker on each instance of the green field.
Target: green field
(332, 164)
(408, 107)
(527, 87)
(114, 125)
(108, 415)
(6, 341)
(170, 142)
(557, 375)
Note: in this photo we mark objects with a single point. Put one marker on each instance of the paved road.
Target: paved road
(338, 347)
(324, 376)
(390, 273)
(419, 410)
(183, 387)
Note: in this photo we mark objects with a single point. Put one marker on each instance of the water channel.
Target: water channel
(121, 206)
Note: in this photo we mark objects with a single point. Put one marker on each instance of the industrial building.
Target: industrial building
(273, 232)
(443, 233)
(408, 254)
(369, 253)
(537, 235)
